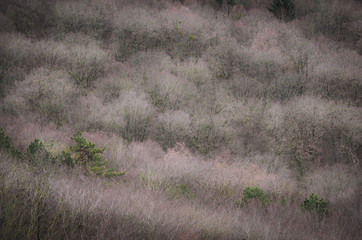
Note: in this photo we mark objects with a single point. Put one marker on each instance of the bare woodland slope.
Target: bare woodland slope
(219, 120)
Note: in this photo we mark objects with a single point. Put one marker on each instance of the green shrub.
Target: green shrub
(87, 155)
(5, 141)
(38, 152)
(65, 158)
(5, 145)
(255, 193)
(315, 205)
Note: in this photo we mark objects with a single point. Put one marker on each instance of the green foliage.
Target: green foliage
(283, 9)
(315, 205)
(250, 193)
(5, 141)
(66, 158)
(38, 152)
(83, 153)
(35, 146)
(5, 145)
(87, 155)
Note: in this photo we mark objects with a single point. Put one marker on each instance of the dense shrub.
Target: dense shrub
(5, 145)
(110, 87)
(92, 116)
(32, 17)
(141, 31)
(85, 63)
(20, 52)
(130, 117)
(17, 51)
(87, 155)
(158, 99)
(250, 194)
(136, 31)
(344, 135)
(50, 93)
(283, 9)
(244, 92)
(83, 16)
(222, 58)
(194, 70)
(166, 91)
(333, 81)
(134, 126)
(304, 127)
(309, 128)
(330, 16)
(247, 123)
(315, 205)
(38, 152)
(206, 136)
(173, 127)
(131, 42)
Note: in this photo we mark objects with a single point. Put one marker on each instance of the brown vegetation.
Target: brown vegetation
(196, 100)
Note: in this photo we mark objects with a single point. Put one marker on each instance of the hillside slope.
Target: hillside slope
(228, 122)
